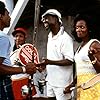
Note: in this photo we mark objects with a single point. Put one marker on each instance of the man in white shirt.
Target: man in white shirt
(59, 56)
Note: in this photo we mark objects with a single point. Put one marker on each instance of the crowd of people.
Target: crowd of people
(59, 62)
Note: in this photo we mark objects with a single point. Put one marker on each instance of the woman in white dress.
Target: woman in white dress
(87, 57)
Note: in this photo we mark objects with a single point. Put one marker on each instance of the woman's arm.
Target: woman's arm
(68, 88)
(94, 55)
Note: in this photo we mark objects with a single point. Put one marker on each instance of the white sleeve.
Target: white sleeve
(67, 48)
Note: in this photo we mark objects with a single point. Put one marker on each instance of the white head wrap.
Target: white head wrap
(53, 12)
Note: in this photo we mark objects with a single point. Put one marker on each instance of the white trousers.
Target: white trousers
(57, 92)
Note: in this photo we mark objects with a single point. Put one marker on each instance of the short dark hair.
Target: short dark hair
(91, 25)
(2, 8)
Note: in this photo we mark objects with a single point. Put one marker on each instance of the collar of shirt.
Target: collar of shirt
(61, 31)
(3, 34)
